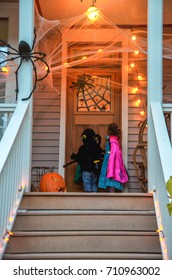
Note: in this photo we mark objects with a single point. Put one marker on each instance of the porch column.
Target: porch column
(25, 80)
(155, 25)
(26, 27)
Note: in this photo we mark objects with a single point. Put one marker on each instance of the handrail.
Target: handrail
(6, 111)
(163, 164)
(7, 107)
(14, 168)
(167, 108)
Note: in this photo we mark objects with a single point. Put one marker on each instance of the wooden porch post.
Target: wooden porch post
(155, 25)
(26, 25)
(25, 77)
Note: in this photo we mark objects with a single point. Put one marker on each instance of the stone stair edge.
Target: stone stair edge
(77, 194)
(84, 233)
(117, 256)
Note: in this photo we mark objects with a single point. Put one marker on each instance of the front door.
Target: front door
(93, 101)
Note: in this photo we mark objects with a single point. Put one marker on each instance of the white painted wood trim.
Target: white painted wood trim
(155, 22)
(4, 107)
(26, 33)
(11, 12)
(124, 94)
(167, 108)
(62, 142)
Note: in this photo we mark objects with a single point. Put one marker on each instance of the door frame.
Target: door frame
(102, 35)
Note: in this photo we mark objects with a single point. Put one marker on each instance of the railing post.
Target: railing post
(26, 31)
(155, 22)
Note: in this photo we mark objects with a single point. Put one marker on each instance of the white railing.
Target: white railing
(15, 152)
(163, 166)
(167, 109)
(6, 111)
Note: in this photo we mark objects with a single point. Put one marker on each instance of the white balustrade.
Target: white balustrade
(162, 158)
(14, 168)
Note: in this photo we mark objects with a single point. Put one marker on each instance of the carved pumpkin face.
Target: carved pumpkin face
(52, 182)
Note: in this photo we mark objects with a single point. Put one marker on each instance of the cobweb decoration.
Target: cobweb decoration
(93, 93)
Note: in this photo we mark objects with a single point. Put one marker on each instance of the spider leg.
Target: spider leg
(9, 53)
(34, 55)
(9, 59)
(16, 73)
(34, 40)
(34, 86)
(9, 46)
(47, 66)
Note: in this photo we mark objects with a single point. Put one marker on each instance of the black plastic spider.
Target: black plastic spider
(25, 53)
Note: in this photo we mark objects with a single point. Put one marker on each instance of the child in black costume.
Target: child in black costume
(89, 156)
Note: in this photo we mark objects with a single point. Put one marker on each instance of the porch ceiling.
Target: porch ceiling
(123, 12)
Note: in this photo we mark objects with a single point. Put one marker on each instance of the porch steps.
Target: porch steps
(85, 226)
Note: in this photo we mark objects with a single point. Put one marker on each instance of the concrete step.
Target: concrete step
(84, 242)
(85, 220)
(85, 226)
(84, 256)
(87, 201)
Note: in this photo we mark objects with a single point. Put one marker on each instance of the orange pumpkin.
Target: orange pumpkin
(52, 182)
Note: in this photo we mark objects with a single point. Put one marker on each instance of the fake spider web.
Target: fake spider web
(95, 95)
(49, 40)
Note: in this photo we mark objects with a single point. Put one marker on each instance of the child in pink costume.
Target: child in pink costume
(113, 173)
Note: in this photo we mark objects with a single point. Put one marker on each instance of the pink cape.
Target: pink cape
(116, 169)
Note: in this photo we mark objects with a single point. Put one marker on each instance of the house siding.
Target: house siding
(46, 128)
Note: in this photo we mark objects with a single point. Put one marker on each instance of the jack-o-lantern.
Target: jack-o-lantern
(52, 182)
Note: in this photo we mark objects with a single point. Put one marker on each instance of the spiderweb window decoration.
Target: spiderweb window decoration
(93, 93)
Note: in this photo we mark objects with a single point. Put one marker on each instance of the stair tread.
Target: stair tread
(84, 212)
(87, 201)
(85, 226)
(84, 232)
(77, 194)
(118, 256)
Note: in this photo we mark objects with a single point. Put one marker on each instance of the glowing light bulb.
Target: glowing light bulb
(6, 239)
(100, 51)
(135, 90)
(46, 68)
(133, 38)
(4, 69)
(138, 102)
(11, 219)
(139, 77)
(136, 52)
(66, 64)
(84, 57)
(142, 113)
(92, 13)
(10, 232)
(132, 65)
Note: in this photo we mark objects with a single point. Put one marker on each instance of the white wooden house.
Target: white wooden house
(44, 130)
